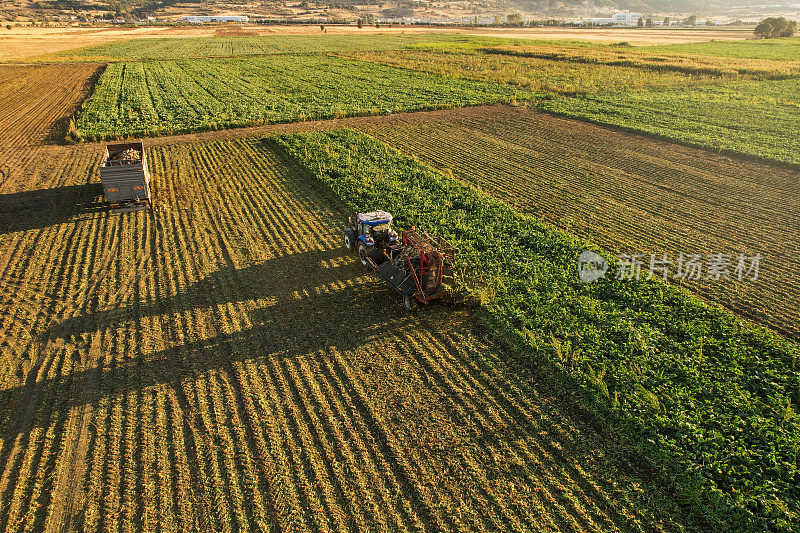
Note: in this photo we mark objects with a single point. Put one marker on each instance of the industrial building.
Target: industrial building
(205, 19)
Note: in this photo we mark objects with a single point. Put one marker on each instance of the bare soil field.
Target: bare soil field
(629, 194)
(31, 97)
(36, 103)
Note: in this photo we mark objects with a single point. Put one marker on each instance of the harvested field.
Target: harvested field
(216, 363)
(37, 101)
(630, 194)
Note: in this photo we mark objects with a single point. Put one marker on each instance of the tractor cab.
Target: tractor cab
(372, 230)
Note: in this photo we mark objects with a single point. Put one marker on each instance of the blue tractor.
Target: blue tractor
(366, 232)
(417, 266)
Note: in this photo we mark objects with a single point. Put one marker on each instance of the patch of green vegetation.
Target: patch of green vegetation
(151, 98)
(474, 42)
(538, 74)
(753, 118)
(786, 49)
(703, 395)
(197, 47)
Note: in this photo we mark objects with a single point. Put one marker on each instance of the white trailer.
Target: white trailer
(125, 178)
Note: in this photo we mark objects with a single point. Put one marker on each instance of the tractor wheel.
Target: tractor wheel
(362, 254)
(408, 302)
(347, 242)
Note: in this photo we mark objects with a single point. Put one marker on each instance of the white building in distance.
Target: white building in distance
(617, 19)
(203, 19)
(626, 19)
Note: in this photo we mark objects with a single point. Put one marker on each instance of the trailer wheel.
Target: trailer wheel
(362, 254)
(408, 302)
(347, 242)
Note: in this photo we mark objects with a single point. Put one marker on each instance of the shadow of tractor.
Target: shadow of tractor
(317, 301)
(281, 279)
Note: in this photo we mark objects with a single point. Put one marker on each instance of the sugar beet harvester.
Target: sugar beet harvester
(415, 265)
(126, 180)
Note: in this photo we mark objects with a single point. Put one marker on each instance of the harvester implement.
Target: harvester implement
(417, 265)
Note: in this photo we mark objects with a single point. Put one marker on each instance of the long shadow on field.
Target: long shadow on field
(312, 312)
(297, 326)
(286, 329)
(27, 210)
(312, 307)
(280, 278)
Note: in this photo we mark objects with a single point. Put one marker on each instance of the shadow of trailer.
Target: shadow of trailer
(125, 177)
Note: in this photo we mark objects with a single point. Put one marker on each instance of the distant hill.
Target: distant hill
(299, 10)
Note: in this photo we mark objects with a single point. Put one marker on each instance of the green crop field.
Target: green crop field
(148, 98)
(785, 49)
(238, 45)
(752, 118)
(700, 393)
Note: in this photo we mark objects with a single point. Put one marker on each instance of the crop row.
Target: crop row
(160, 97)
(702, 394)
